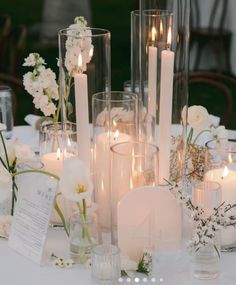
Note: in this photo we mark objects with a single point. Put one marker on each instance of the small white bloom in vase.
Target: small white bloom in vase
(75, 183)
(23, 152)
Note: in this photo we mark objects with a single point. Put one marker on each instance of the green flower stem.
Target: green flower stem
(190, 135)
(59, 212)
(5, 150)
(199, 135)
(85, 226)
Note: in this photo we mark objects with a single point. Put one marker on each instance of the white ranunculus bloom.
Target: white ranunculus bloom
(198, 117)
(5, 183)
(75, 183)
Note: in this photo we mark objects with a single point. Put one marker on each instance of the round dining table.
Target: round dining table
(17, 269)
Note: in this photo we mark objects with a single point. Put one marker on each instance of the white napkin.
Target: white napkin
(215, 120)
(33, 120)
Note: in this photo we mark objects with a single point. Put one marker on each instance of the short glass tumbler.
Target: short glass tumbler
(6, 110)
(106, 263)
(206, 260)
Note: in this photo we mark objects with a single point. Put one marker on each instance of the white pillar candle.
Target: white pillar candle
(165, 114)
(152, 76)
(82, 116)
(227, 179)
(53, 161)
(101, 170)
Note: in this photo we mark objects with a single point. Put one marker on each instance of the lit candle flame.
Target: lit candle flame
(80, 60)
(169, 37)
(91, 53)
(154, 32)
(161, 28)
(114, 123)
(131, 184)
(58, 154)
(116, 135)
(230, 159)
(225, 172)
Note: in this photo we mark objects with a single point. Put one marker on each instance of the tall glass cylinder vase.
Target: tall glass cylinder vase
(133, 165)
(84, 71)
(115, 116)
(163, 74)
(220, 166)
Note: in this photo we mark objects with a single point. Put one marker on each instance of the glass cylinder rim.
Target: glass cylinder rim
(207, 144)
(163, 12)
(106, 98)
(200, 185)
(5, 88)
(154, 147)
(51, 124)
(112, 250)
(103, 32)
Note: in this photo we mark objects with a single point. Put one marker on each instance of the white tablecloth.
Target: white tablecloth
(15, 269)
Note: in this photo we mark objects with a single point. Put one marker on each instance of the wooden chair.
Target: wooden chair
(212, 91)
(5, 29)
(22, 101)
(16, 49)
(214, 35)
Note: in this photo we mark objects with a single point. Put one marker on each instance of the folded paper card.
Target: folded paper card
(32, 215)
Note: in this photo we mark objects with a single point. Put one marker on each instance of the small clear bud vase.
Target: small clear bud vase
(162, 80)
(83, 236)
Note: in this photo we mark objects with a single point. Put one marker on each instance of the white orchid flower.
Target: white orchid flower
(2, 127)
(198, 117)
(5, 183)
(75, 183)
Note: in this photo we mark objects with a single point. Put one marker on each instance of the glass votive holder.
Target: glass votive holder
(6, 110)
(106, 263)
(206, 259)
(83, 236)
(220, 166)
(57, 141)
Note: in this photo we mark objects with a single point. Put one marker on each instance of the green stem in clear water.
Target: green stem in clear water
(85, 226)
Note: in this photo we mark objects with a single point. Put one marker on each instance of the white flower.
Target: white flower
(23, 152)
(219, 132)
(68, 263)
(5, 225)
(5, 183)
(2, 127)
(198, 117)
(58, 263)
(75, 183)
(88, 263)
(78, 43)
(33, 59)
